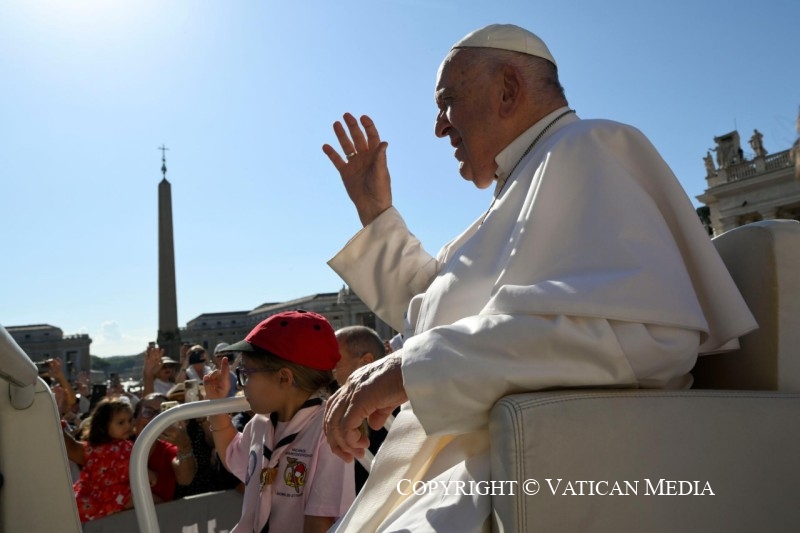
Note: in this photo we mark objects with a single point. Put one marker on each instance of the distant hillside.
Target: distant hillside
(127, 366)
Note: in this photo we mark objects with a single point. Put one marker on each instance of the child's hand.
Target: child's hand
(217, 383)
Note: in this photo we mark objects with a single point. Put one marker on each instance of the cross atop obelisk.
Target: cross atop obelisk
(168, 333)
(163, 160)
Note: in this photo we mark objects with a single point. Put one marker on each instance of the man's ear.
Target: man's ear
(366, 359)
(511, 91)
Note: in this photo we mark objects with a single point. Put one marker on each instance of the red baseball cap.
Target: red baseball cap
(302, 337)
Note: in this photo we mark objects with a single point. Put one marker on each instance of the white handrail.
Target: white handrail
(140, 485)
(17, 367)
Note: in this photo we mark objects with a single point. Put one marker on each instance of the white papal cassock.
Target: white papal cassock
(591, 269)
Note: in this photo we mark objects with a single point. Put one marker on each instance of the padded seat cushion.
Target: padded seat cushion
(764, 260)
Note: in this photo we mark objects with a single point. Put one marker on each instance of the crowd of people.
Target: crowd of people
(99, 431)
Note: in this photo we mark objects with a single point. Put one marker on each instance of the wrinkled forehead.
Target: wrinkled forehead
(451, 60)
(447, 60)
(444, 78)
(458, 67)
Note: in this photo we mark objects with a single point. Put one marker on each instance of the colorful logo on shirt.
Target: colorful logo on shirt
(295, 474)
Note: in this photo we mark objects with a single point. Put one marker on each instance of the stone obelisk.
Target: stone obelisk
(168, 333)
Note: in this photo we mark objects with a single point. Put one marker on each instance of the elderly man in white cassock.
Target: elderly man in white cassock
(588, 269)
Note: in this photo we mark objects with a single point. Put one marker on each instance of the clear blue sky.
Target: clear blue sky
(244, 93)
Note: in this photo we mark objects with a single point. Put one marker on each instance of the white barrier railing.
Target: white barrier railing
(140, 485)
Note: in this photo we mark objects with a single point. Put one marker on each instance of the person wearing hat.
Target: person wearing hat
(589, 268)
(220, 353)
(159, 372)
(293, 481)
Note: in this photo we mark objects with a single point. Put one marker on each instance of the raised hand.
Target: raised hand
(217, 383)
(185, 355)
(152, 361)
(56, 372)
(363, 169)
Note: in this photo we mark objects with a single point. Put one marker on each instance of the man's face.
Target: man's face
(147, 411)
(347, 364)
(218, 357)
(466, 96)
(166, 373)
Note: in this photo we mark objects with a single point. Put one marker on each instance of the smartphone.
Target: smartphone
(192, 392)
(151, 344)
(166, 406)
(98, 393)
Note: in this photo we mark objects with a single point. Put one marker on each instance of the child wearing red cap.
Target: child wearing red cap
(293, 482)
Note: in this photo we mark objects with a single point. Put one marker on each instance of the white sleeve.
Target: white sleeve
(454, 374)
(386, 266)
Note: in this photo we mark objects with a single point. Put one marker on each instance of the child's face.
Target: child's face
(121, 425)
(262, 388)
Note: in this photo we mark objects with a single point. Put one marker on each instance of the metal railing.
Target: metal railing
(140, 485)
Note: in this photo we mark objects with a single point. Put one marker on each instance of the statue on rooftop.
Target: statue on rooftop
(756, 142)
(728, 150)
(709, 161)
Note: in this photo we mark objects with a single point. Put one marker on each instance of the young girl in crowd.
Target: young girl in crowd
(293, 482)
(104, 484)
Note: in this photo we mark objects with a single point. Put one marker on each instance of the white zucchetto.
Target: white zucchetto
(507, 37)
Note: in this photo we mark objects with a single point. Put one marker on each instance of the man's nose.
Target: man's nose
(441, 126)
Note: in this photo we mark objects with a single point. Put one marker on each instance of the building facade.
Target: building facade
(43, 341)
(341, 308)
(209, 329)
(744, 188)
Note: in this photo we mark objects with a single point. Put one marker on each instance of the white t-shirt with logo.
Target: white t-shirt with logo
(310, 479)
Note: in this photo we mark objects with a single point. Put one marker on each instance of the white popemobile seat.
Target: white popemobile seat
(735, 434)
